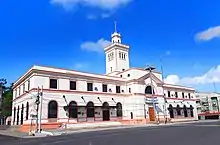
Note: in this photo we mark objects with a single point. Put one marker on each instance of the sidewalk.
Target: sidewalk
(13, 133)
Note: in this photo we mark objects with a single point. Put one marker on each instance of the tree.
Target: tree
(7, 102)
(7, 97)
(3, 82)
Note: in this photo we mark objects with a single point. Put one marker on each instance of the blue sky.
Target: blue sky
(70, 33)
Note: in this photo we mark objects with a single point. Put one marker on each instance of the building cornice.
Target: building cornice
(118, 45)
(65, 72)
(75, 92)
(178, 87)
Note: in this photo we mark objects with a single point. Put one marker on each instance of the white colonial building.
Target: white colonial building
(122, 95)
(208, 105)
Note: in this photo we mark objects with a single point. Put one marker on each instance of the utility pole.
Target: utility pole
(165, 100)
(41, 106)
(37, 102)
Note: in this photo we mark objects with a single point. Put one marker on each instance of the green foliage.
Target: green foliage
(7, 102)
(7, 97)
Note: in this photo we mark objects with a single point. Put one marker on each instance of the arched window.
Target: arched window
(178, 110)
(18, 116)
(119, 109)
(73, 112)
(14, 116)
(22, 113)
(191, 111)
(105, 106)
(148, 90)
(52, 109)
(90, 109)
(171, 111)
(185, 111)
(27, 110)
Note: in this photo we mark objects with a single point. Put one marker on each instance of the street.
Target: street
(182, 134)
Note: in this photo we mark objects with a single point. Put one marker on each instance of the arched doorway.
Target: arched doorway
(14, 116)
(105, 111)
(18, 116)
(22, 114)
(73, 112)
(27, 110)
(90, 111)
(171, 111)
(148, 90)
(191, 111)
(185, 111)
(178, 110)
(52, 109)
(119, 109)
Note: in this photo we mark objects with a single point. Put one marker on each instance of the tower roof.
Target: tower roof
(116, 34)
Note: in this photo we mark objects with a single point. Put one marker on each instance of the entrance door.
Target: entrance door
(151, 113)
(106, 115)
(105, 111)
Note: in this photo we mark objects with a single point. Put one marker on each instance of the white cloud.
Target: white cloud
(211, 76)
(167, 53)
(101, 4)
(80, 66)
(93, 16)
(66, 4)
(95, 46)
(105, 15)
(208, 34)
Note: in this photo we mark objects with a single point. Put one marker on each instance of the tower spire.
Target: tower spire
(116, 37)
(115, 26)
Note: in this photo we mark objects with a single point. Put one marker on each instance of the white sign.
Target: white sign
(151, 100)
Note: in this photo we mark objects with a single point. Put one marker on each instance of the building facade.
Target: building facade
(208, 105)
(122, 95)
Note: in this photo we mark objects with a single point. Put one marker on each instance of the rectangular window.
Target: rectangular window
(168, 93)
(176, 94)
(19, 91)
(118, 90)
(189, 95)
(109, 59)
(23, 88)
(28, 85)
(72, 85)
(89, 86)
(104, 88)
(53, 83)
(15, 93)
(182, 94)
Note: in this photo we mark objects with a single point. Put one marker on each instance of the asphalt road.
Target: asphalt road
(184, 134)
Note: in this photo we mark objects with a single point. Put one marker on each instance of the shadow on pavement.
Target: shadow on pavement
(7, 139)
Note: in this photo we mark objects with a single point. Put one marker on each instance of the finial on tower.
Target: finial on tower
(116, 37)
(115, 26)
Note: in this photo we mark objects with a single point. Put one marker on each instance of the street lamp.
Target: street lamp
(38, 101)
(164, 97)
(150, 68)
